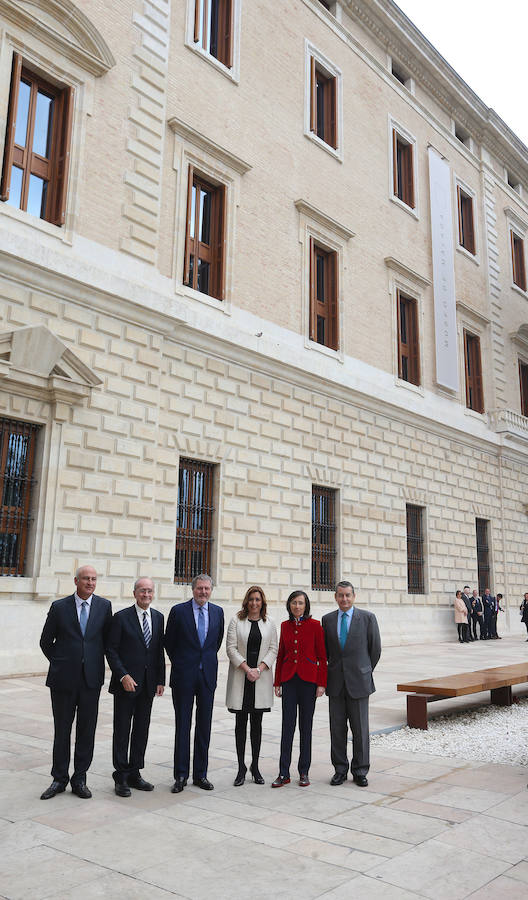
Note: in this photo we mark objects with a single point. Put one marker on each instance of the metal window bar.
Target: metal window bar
(194, 520)
(415, 550)
(483, 560)
(17, 453)
(323, 538)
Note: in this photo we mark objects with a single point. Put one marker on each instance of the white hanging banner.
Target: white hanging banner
(443, 271)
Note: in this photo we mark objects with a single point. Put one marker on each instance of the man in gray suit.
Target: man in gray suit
(353, 648)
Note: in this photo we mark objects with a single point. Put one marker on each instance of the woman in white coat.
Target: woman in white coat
(252, 649)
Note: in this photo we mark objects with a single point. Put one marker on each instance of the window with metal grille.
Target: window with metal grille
(415, 550)
(194, 520)
(483, 554)
(17, 454)
(323, 538)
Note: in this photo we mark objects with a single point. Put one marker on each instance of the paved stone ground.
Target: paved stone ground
(426, 827)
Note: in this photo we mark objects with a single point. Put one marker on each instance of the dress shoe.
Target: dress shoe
(139, 783)
(178, 785)
(304, 781)
(338, 778)
(80, 790)
(257, 777)
(56, 787)
(122, 789)
(240, 778)
(280, 781)
(203, 783)
(360, 780)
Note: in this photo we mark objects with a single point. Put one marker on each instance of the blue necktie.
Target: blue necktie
(343, 632)
(146, 629)
(83, 618)
(201, 626)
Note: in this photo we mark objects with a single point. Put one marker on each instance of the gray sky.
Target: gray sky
(485, 42)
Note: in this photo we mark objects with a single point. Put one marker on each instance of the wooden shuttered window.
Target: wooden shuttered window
(17, 455)
(523, 379)
(466, 225)
(213, 29)
(473, 366)
(37, 147)
(324, 292)
(194, 520)
(204, 266)
(403, 169)
(415, 549)
(324, 542)
(408, 339)
(483, 554)
(323, 104)
(518, 266)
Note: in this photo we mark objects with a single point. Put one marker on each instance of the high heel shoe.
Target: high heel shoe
(257, 777)
(241, 777)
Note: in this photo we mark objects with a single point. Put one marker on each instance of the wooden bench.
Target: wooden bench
(498, 681)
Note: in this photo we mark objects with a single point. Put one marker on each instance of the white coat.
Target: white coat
(236, 646)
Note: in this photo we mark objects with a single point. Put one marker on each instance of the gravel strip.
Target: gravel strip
(497, 734)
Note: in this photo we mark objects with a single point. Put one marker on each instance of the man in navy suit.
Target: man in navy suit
(135, 655)
(193, 637)
(74, 639)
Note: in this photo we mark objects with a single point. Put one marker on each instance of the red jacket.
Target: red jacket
(301, 651)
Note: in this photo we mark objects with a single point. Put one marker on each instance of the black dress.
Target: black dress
(252, 655)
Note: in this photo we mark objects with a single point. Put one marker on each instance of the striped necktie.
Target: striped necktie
(146, 629)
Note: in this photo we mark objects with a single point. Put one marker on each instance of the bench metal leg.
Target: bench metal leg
(417, 711)
(502, 696)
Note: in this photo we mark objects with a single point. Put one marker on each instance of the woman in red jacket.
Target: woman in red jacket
(300, 677)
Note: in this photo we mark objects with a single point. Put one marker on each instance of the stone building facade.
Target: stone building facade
(316, 129)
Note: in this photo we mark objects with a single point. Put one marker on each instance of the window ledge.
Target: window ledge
(212, 302)
(230, 74)
(61, 233)
(409, 386)
(474, 414)
(337, 153)
(519, 290)
(408, 209)
(326, 351)
(473, 257)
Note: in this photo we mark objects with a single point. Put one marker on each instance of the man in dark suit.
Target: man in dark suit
(468, 600)
(74, 639)
(353, 648)
(135, 655)
(193, 637)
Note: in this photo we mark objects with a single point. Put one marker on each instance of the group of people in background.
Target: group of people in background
(524, 611)
(336, 656)
(471, 611)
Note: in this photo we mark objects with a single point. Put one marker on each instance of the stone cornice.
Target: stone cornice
(407, 272)
(397, 34)
(473, 313)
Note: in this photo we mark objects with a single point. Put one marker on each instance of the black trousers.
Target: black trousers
(476, 618)
(255, 735)
(183, 699)
(131, 711)
(297, 695)
(345, 710)
(83, 703)
(488, 629)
